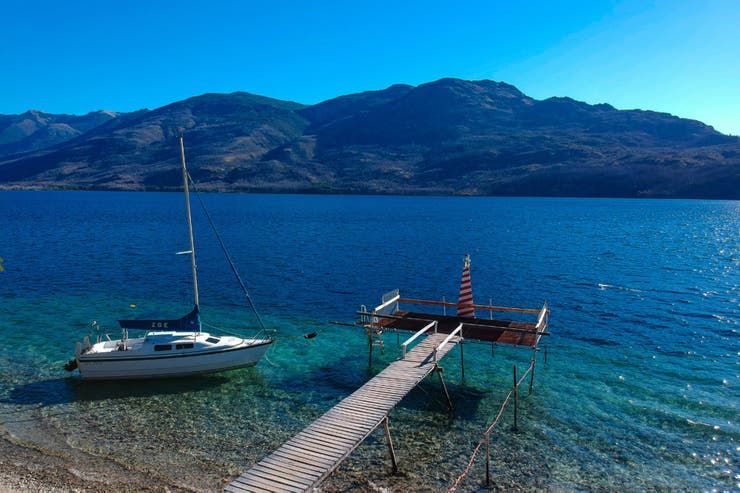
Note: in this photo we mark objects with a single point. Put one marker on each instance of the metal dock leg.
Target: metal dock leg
(488, 459)
(462, 358)
(439, 370)
(390, 445)
(534, 364)
(516, 400)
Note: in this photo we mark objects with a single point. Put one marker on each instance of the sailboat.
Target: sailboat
(169, 348)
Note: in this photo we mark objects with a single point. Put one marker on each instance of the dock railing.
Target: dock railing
(448, 339)
(542, 319)
(411, 339)
(389, 305)
(391, 301)
(492, 308)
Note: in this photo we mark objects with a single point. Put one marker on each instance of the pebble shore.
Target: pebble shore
(27, 469)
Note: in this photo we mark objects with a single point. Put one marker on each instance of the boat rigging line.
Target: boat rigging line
(227, 255)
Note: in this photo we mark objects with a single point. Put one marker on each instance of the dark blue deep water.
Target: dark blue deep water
(640, 390)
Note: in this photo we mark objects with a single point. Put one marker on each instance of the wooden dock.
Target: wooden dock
(307, 459)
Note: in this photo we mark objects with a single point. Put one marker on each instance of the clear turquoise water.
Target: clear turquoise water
(640, 390)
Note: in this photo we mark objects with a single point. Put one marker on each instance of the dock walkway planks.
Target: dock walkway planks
(307, 459)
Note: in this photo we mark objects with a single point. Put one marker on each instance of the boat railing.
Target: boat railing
(411, 339)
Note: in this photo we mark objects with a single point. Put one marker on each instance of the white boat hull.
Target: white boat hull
(119, 365)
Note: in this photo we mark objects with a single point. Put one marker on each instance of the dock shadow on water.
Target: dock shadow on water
(333, 381)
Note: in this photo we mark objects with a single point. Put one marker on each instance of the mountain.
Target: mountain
(450, 136)
(225, 133)
(34, 129)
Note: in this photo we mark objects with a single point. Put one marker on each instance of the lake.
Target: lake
(640, 390)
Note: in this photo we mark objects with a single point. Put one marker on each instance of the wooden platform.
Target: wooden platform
(480, 329)
(308, 458)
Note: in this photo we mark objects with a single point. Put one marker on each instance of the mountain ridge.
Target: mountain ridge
(449, 136)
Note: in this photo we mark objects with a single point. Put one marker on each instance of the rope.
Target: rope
(467, 469)
(486, 435)
(226, 254)
(269, 361)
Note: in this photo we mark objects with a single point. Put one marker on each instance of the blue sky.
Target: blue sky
(74, 57)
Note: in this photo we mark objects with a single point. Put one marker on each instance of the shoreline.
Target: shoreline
(349, 193)
(25, 468)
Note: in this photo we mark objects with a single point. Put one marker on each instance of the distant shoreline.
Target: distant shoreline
(349, 193)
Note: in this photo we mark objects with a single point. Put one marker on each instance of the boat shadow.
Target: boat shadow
(72, 389)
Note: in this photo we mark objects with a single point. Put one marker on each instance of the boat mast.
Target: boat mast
(190, 221)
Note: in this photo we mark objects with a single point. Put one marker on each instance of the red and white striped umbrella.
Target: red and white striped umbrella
(465, 302)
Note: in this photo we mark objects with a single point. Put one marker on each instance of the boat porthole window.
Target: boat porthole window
(213, 340)
(163, 347)
(187, 345)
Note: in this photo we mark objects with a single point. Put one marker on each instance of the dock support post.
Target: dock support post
(488, 459)
(516, 400)
(534, 364)
(390, 445)
(462, 358)
(438, 369)
(370, 349)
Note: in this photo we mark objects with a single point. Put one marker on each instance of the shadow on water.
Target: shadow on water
(337, 381)
(429, 396)
(71, 389)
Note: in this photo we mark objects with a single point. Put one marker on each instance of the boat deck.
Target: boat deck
(307, 459)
